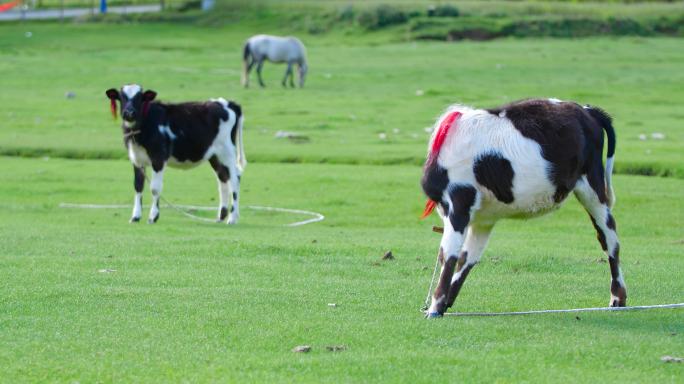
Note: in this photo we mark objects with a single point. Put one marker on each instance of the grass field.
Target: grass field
(358, 88)
(200, 302)
(189, 301)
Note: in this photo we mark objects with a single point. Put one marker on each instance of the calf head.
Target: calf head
(134, 102)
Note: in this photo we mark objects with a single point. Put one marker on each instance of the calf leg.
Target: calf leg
(235, 189)
(227, 159)
(156, 187)
(138, 184)
(604, 223)
(457, 212)
(475, 242)
(223, 175)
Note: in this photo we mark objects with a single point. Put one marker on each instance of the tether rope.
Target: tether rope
(573, 310)
(183, 209)
(536, 312)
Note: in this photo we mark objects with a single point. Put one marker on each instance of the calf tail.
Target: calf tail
(606, 123)
(241, 158)
(245, 55)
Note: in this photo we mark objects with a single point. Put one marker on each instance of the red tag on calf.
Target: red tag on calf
(8, 6)
(429, 207)
(441, 135)
(112, 106)
(437, 143)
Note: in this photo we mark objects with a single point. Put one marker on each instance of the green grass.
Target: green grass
(202, 302)
(199, 302)
(358, 87)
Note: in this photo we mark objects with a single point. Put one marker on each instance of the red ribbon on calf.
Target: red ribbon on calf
(440, 137)
(112, 107)
(429, 207)
(8, 6)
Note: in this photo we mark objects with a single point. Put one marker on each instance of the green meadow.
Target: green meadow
(87, 297)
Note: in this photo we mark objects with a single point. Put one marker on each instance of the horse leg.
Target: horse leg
(292, 78)
(288, 72)
(248, 70)
(260, 65)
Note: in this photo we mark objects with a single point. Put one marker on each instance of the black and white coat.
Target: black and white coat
(517, 161)
(181, 135)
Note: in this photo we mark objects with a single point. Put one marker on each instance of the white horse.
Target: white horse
(276, 49)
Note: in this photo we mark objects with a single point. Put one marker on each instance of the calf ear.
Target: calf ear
(149, 95)
(112, 94)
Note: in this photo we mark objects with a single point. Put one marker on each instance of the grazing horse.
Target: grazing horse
(516, 161)
(275, 49)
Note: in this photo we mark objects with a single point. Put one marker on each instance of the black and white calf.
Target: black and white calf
(181, 135)
(517, 161)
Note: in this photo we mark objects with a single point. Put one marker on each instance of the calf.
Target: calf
(181, 135)
(517, 161)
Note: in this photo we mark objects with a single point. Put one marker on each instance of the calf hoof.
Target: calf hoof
(614, 302)
(618, 295)
(223, 213)
(153, 220)
(134, 220)
(433, 315)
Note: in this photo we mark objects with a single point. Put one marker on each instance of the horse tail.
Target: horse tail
(246, 52)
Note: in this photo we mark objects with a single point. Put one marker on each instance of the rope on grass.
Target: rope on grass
(316, 217)
(536, 312)
(573, 310)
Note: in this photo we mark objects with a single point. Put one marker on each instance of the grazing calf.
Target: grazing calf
(517, 161)
(181, 135)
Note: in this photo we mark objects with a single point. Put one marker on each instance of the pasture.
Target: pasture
(184, 300)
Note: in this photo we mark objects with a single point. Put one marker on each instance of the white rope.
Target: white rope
(607, 309)
(473, 314)
(432, 281)
(184, 212)
(482, 314)
(316, 217)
